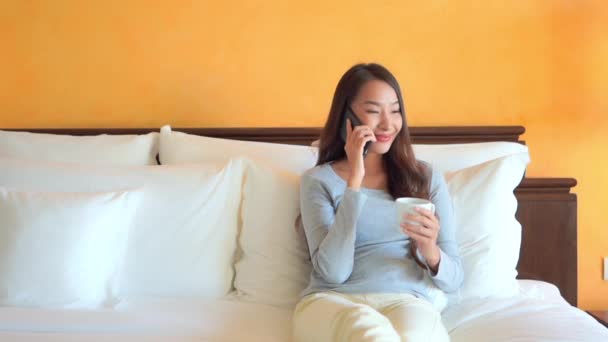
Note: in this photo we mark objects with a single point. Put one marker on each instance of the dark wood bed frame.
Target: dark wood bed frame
(547, 210)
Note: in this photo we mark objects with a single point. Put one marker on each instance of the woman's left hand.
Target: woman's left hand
(425, 235)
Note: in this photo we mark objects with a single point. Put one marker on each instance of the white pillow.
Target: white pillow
(452, 157)
(179, 148)
(488, 234)
(98, 150)
(184, 235)
(60, 249)
(274, 267)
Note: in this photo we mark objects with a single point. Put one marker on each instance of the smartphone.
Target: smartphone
(354, 120)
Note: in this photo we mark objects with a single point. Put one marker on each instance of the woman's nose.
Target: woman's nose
(385, 119)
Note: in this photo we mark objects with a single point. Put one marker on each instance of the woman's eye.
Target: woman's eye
(372, 112)
(396, 112)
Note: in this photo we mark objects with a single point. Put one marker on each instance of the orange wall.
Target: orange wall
(539, 63)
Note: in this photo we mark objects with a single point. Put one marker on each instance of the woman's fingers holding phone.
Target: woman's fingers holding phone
(361, 135)
(358, 135)
(364, 132)
(355, 142)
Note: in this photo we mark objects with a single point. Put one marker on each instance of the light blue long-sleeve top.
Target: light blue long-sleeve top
(356, 245)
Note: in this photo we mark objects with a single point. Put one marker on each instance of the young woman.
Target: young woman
(373, 277)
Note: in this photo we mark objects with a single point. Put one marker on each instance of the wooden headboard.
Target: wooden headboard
(547, 210)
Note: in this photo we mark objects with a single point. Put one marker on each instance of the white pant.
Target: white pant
(333, 317)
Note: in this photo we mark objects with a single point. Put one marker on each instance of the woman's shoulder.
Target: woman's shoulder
(427, 168)
(436, 179)
(322, 175)
(315, 172)
(433, 174)
(319, 173)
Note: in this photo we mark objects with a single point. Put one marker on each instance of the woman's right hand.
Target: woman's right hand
(355, 141)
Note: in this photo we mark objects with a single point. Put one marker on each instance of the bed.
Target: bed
(539, 314)
(545, 310)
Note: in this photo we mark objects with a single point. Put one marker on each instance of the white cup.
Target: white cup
(406, 205)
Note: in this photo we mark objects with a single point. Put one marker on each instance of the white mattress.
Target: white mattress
(538, 314)
(166, 320)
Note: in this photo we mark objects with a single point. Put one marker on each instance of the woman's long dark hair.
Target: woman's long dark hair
(406, 177)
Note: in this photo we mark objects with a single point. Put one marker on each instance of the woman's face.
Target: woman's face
(377, 106)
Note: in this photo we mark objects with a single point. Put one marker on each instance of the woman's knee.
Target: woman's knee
(416, 321)
(431, 330)
(362, 323)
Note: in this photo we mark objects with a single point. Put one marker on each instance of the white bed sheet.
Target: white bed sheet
(160, 320)
(538, 314)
